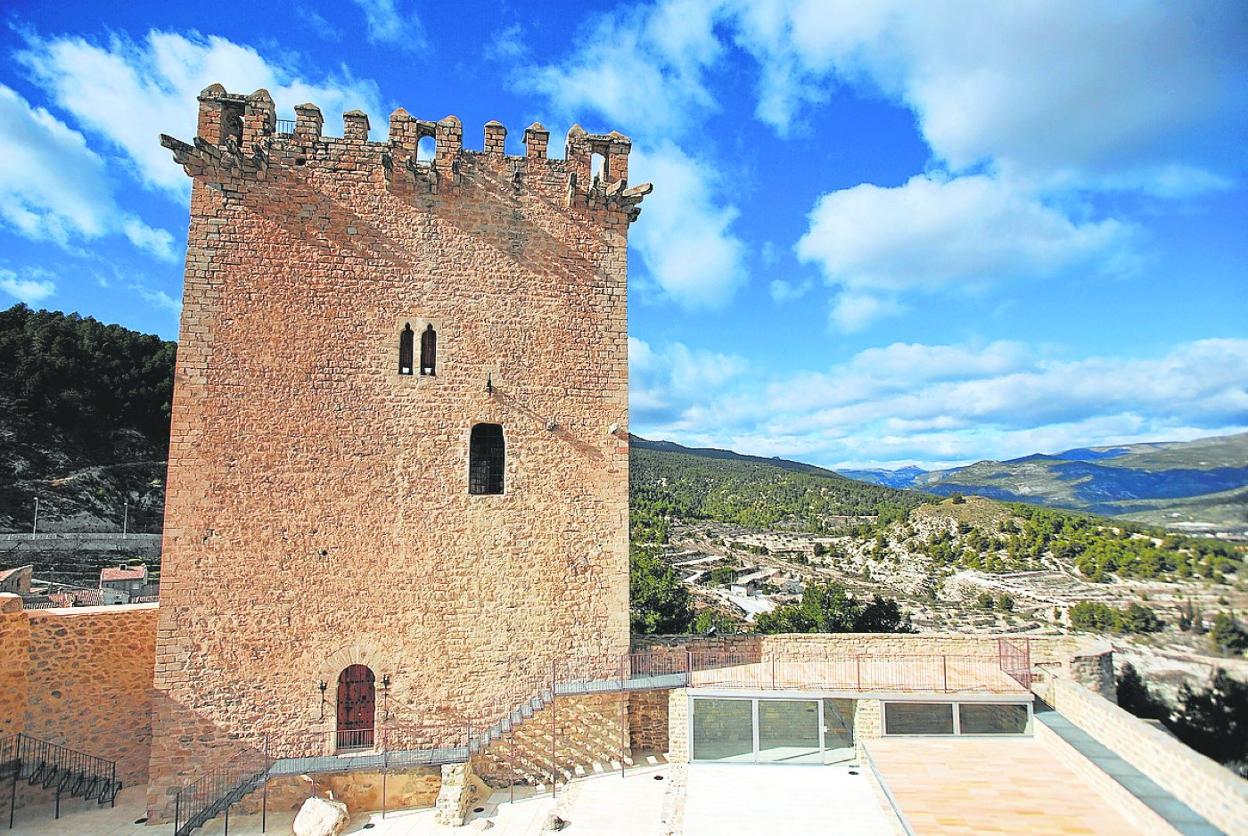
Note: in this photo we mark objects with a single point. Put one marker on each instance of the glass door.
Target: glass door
(838, 731)
(788, 731)
(723, 730)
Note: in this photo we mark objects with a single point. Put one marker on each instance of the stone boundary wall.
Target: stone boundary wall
(81, 677)
(1048, 653)
(1142, 817)
(1210, 789)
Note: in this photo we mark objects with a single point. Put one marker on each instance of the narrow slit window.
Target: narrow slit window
(486, 459)
(406, 339)
(429, 351)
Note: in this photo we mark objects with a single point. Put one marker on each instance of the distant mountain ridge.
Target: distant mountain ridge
(1138, 481)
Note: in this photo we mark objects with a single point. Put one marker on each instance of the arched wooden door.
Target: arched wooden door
(357, 705)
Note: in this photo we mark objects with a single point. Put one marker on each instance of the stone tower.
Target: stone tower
(399, 450)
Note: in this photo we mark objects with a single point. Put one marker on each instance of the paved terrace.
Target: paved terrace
(967, 786)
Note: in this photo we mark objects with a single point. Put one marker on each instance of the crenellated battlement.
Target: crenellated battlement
(239, 138)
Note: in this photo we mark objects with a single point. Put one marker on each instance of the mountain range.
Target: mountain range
(1200, 484)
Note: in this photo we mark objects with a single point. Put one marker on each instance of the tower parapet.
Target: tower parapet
(237, 139)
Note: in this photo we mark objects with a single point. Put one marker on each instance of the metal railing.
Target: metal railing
(46, 764)
(220, 788)
(1015, 660)
(450, 738)
(285, 127)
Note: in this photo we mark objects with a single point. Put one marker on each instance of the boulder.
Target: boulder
(319, 817)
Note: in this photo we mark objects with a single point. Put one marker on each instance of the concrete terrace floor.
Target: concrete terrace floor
(723, 800)
(747, 799)
(977, 785)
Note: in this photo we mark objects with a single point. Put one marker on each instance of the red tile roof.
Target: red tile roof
(130, 573)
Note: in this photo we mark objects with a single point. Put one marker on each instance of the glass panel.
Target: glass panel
(723, 730)
(788, 731)
(918, 718)
(838, 731)
(992, 718)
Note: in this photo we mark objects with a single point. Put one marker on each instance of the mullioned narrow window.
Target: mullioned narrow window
(429, 351)
(406, 341)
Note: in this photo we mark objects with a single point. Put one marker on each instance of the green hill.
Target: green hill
(84, 422)
(668, 480)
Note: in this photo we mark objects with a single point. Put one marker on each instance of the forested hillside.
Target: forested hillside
(667, 480)
(84, 420)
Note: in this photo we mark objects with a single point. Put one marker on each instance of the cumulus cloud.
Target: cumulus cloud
(661, 380)
(1146, 96)
(936, 404)
(129, 92)
(684, 235)
(386, 24)
(31, 288)
(931, 233)
(55, 188)
(640, 68)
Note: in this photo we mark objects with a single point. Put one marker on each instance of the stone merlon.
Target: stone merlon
(240, 137)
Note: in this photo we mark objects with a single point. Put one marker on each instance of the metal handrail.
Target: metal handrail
(42, 762)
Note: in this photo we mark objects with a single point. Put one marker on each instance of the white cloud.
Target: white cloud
(660, 379)
(32, 291)
(1150, 96)
(1134, 96)
(932, 233)
(158, 299)
(938, 404)
(129, 93)
(641, 69)
(684, 236)
(783, 291)
(387, 25)
(53, 187)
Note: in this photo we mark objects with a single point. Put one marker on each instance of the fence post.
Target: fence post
(944, 672)
(858, 670)
(113, 788)
(623, 730)
(17, 768)
(554, 731)
(177, 813)
(264, 793)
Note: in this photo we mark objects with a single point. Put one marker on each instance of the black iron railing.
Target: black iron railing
(51, 766)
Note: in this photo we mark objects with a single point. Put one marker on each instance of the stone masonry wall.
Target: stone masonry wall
(1204, 785)
(317, 511)
(14, 649)
(81, 678)
(90, 682)
(647, 721)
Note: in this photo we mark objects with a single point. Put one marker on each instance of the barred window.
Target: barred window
(406, 340)
(486, 459)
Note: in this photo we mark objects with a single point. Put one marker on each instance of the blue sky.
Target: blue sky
(881, 233)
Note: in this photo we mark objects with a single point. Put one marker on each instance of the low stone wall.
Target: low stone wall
(1204, 785)
(82, 678)
(647, 721)
(1139, 814)
(1053, 652)
(360, 791)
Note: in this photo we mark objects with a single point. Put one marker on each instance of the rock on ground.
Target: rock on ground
(319, 817)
